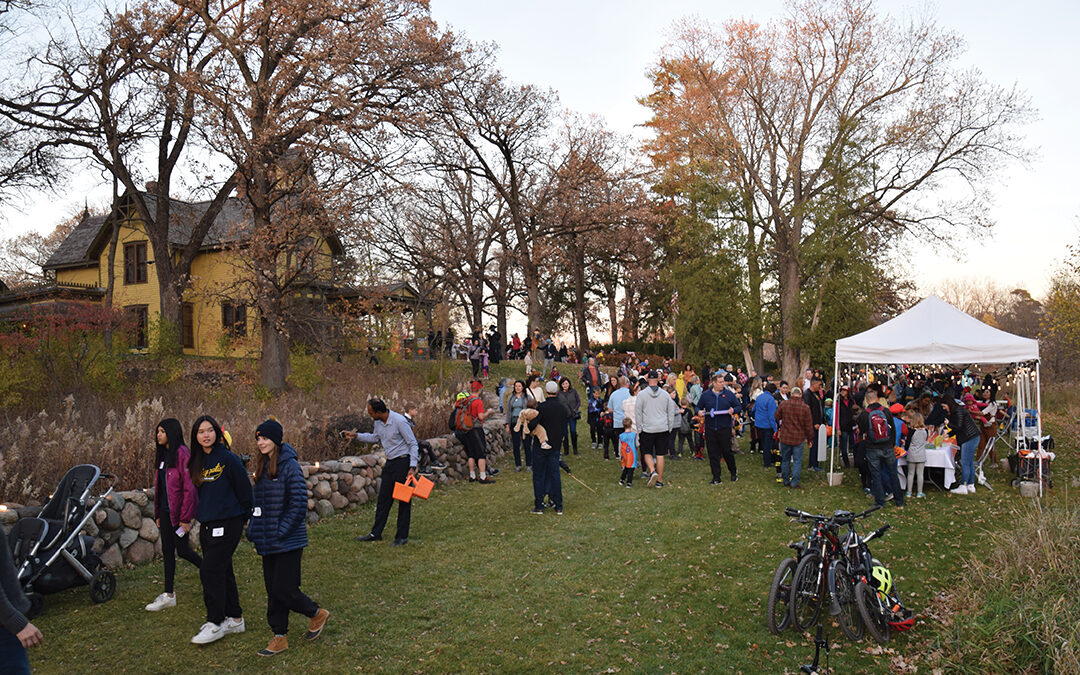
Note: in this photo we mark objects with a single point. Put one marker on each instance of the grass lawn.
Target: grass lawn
(640, 580)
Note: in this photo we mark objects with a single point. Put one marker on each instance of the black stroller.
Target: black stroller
(51, 554)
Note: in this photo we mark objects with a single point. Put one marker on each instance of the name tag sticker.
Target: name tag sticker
(217, 532)
(257, 511)
(162, 465)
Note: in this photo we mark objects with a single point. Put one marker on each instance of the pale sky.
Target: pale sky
(595, 53)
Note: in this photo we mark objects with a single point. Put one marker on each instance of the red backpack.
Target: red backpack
(878, 427)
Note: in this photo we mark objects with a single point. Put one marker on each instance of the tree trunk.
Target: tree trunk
(110, 274)
(788, 262)
(502, 293)
(274, 361)
(577, 256)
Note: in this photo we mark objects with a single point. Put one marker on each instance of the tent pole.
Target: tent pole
(1038, 423)
(835, 416)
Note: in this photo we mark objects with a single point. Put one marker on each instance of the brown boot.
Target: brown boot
(278, 644)
(317, 623)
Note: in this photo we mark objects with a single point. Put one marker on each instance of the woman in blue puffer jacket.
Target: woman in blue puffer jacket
(278, 528)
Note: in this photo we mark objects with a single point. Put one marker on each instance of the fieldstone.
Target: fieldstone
(324, 508)
(110, 538)
(140, 552)
(131, 515)
(330, 466)
(157, 548)
(362, 497)
(112, 520)
(370, 460)
(116, 501)
(322, 490)
(378, 483)
(8, 517)
(148, 510)
(312, 517)
(338, 500)
(310, 504)
(382, 460)
(149, 531)
(128, 537)
(437, 444)
(99, 545)
(91, 528)
(100, 515)
(150, 494)
(112, 558)
(137, 496)
(345, 467)
(306, 468)
(346, 479)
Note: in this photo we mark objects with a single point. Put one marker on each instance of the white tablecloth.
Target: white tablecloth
(941, 458)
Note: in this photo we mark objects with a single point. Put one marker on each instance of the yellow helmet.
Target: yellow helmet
(881, 578)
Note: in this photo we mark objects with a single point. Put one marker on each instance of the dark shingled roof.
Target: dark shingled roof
(74, 251)
(232, 225)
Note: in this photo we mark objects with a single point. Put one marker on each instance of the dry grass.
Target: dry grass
(116, 433)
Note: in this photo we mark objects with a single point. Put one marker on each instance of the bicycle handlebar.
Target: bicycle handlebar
(877, 533)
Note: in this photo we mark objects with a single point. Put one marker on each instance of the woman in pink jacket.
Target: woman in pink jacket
(175, 500)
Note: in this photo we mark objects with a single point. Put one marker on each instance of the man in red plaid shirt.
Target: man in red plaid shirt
(796, 432)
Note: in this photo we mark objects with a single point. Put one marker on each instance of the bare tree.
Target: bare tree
(302, 84)
(835, 94)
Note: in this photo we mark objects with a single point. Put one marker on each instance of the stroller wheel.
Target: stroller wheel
(37, 603)
(102, 586)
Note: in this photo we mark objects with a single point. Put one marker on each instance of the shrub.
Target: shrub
(305, 372)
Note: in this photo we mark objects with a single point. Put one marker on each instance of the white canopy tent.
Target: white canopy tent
(935, 332)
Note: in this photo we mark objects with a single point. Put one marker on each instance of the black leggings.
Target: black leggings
(219, 539)
(172, 546)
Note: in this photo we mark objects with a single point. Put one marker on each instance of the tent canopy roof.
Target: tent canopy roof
(934, 331)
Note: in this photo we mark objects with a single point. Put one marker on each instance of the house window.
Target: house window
(234, 319)
(135, 263)
(187, 325)
(140, 325)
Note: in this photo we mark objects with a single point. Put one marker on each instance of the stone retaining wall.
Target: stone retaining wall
(124, 531)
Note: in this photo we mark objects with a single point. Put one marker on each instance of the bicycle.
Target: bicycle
(780, 589)
(880, 606)
(854, 564)
(808, 585)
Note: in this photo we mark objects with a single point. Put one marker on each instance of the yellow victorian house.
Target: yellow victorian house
(217, 313)
(215, 316)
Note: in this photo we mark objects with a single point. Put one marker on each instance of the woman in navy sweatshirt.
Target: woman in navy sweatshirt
(224, 505)
(278, 529)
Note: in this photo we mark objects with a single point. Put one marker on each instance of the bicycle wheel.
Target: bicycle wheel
(873, 615)
(807, 591)
(780, 596)
(843, 592)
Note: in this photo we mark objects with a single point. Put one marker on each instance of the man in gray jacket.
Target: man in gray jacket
(653, 413)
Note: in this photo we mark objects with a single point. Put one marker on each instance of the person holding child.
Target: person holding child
(175, 502)
(278, 528)
(553, 416)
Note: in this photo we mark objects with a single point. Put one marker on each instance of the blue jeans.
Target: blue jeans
(546, 478)
(883, 475)
(967, 460)
(13, 654)
(791, 463)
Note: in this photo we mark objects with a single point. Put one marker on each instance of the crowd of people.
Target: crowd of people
(640, 416)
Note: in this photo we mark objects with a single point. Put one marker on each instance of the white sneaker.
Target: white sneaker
(210, 632)
(234, 625)
(653, 478)
(971, 489)
(959, 490)
(161, 602)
